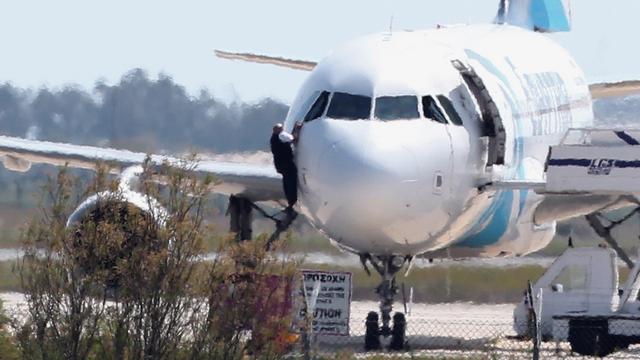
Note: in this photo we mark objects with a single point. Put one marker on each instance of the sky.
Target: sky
(55, 43)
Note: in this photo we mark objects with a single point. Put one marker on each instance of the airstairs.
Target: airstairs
(595, 161)
(602, 164)
(590, 173)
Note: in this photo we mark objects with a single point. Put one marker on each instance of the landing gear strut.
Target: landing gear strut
(240, 213)
(387, 267)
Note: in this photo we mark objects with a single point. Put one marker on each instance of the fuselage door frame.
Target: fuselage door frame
(492, 125)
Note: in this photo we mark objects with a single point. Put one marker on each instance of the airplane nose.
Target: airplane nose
(376, 194)
(376, 171)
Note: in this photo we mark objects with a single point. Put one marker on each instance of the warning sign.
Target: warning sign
(328, 295)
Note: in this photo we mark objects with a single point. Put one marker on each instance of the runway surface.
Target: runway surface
(456, 330)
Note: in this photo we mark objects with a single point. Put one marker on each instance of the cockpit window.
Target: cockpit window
(349, 107)
(397, 107)
(454, 117)
(317, 109)
(432, 110)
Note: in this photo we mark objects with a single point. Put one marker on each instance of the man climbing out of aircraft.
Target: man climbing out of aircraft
(282, 151)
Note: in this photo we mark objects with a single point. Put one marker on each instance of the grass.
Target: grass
(451, 284)
(12, 221)
(8, 348)
(432, 285)
(312, 243)
(9, 279)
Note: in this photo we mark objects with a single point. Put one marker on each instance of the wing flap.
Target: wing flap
(60, 154)
(270, 60)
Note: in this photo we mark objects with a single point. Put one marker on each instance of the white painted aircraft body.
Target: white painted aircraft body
(370, 184)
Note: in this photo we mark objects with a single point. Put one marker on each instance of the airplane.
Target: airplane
(431, 142)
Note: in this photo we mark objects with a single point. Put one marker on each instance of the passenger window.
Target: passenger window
(454, 117)
(572, 278)
(349, 107)
(317, 109)
(397, 108)
(432, 110)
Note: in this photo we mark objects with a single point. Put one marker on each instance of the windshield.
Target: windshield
(397, 107)
(349, 107)
(317, 109)
(432, 110)
(450, 110)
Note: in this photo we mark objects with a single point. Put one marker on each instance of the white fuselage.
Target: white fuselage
(379, 176)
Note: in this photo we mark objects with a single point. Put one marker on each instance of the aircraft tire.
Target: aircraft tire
(372, 334)
(590, 339)
(398, 333)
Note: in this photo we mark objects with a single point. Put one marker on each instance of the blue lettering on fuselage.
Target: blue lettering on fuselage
(549, 101)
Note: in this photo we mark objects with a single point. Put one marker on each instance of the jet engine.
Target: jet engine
(109, 227)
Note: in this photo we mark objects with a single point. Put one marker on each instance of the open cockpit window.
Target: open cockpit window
(349, 107)
(397, 108)
(432, 110)
(317, 109)
(454, 117)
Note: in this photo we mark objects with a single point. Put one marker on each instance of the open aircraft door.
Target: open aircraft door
(491, 125)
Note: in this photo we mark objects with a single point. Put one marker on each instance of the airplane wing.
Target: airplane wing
(254, 182)
(591, 170)
(616, 89)
(271, 60)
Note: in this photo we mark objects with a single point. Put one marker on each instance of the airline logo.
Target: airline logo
(601, 166)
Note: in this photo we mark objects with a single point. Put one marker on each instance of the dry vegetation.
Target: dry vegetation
(129, 284)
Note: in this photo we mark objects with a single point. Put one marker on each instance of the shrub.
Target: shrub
(125, 283)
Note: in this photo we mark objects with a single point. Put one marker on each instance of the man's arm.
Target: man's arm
(285, 137)
(296, 131)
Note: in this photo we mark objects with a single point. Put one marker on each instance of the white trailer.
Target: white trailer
(579, 301)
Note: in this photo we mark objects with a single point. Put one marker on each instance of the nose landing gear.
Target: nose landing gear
(387, 267)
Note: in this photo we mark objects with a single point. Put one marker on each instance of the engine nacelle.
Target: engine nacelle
(134, 200)
(126, 196)
(109, 226)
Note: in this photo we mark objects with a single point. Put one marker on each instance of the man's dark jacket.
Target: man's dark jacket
(282, 155)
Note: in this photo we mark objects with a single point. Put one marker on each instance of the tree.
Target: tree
(8, 349)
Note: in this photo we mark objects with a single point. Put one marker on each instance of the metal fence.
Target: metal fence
(468, 339)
